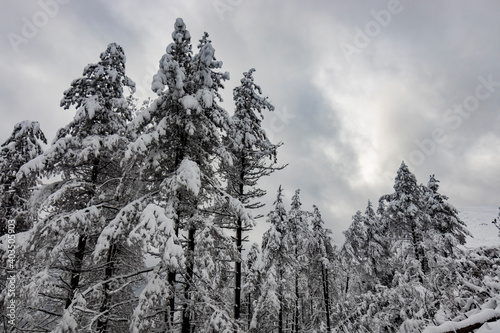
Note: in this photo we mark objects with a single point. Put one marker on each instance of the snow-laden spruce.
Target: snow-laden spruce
(23, 145)
(83, 170)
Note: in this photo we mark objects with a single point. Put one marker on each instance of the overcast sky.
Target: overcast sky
(358, 86)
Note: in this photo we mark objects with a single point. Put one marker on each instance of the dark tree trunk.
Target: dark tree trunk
(186, 316)
(77, 269)
(280, 298)
(295, 327)
(249, 307)
(102, 323)
(170, 313)
(237, 278)
(326, 297)
(239, 246)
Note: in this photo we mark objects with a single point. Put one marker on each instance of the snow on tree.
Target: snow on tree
(277, 258)
(450, 231)
(253, 280)
(298, 236)
(407, 220)
(476, 307)
(253, 157)
(175, 155)
(409, 253)
(320, 254)
(23, 145)
(366, 248)
(83, 165)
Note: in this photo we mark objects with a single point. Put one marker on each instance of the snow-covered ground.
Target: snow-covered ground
(478, 220)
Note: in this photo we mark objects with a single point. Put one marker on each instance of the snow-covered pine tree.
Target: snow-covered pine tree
(253, 280)
(407, 220)
(176, 154)
(377, 248)
(277, 258)
(23, 145)
(448, 230)
(83, 165)
(366, 249)
(254, 157)
(297, 237)
(353, 250)
(320, 251)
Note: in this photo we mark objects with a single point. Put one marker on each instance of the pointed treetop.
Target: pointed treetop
(369, 212)
(406, 182)
(180, 49)
(175, 62)
(103, 81)
(247, 118)
(180, 33)
(278, 216)
(317, 219)
(433, 184)
(26, 129)
(296, 204)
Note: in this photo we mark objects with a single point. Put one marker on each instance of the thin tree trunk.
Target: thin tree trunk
(186, 316)
(237, 278)
(280, 298)
(170, 314)
(239, 247)
(249, 310)
(77, 269)
(295, 327)
(326, 297)
(102, 323)
(280, 318)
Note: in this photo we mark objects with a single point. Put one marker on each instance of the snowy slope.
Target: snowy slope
(478, 220)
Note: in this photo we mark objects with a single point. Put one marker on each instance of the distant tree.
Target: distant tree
(253, 281)
(23, 145)
(407, 220)
(496, 222)
(298, 237)
(448, 230)
(277, 260)
(367, 249)
(320, 248)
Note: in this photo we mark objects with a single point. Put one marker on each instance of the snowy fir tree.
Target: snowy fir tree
(177, 155)
(134, 219)
(446, 225)
(297, 238)
(23, 145)
(407, 221)
(85, 157)
(320, 274)
(278, 262)
(366, 250)
(253, 157)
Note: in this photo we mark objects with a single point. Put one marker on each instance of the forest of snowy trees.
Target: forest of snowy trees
(136, 217)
